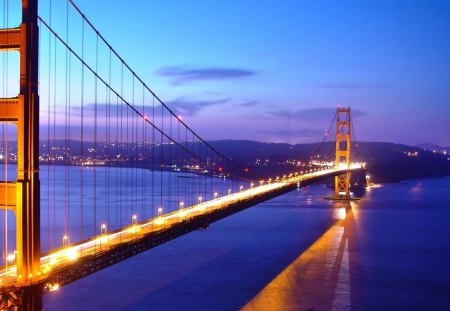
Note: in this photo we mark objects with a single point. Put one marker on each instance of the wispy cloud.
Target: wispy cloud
(184, 75)
(298, 134)
(351, 86)
(191, 108)
(311, 113)
(248, 104)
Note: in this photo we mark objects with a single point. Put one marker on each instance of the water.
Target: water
(392, 251)
(76, 201)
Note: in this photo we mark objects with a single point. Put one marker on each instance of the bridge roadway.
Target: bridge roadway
(67, 264)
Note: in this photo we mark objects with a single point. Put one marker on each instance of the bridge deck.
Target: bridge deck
(67, 264)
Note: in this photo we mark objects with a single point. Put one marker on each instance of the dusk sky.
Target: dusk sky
(277, 70)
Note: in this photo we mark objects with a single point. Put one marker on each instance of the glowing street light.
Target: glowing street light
(11, 258)
(215, 195)
(241, 187)
(134, 219)
(160, 212)
(103, 229)
(181, 205)
(65, 240)
(229, 191)
(200, 200)
(251, 185)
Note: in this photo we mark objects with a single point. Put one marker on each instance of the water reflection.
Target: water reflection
(320, 278)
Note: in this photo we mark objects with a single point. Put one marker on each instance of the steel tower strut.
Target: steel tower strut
(23, 197)
(343, 146)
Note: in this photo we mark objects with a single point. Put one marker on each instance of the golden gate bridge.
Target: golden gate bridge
(89, 156)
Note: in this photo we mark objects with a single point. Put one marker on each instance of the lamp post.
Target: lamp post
(65, 240)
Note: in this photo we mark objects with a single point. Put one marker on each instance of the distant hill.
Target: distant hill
(386, 162)
(434, 147)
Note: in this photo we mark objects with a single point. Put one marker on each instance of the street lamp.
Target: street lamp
(251, 185)
(229, 191)
(133, 220)
(367, 180)
(65, 240)
(160, 212)
(11, 258)
(200, 200)
(215, 195)
(181, 205)
(103, 229)
(241, 187)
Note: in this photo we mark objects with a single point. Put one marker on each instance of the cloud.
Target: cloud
(351, 86)
(182, 75)
(248, 104)
(311, 113)
(299, 134)
(191, 108)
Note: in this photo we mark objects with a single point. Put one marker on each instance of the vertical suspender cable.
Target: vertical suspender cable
(95, 135)
(82, 132)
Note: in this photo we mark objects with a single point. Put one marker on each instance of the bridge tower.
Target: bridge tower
(23, 196)
(343, 145)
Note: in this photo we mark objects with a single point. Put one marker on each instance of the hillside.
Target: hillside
(386, 162)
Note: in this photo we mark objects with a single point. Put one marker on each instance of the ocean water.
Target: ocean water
(388, 251)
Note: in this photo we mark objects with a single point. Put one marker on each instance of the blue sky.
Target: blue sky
(276, 70)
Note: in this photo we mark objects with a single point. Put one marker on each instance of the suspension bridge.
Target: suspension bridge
(96, 168)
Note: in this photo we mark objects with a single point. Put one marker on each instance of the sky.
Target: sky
(275, 70)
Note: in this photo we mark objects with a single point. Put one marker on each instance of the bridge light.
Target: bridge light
(229, 191)
(12, 257)
(181, 205)
(103, 229)
(251, 185)
(215, 195)
(134, 219)
(65, 240)
(241, 187)
(71, 254)
(200, 200)
(160, 211)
